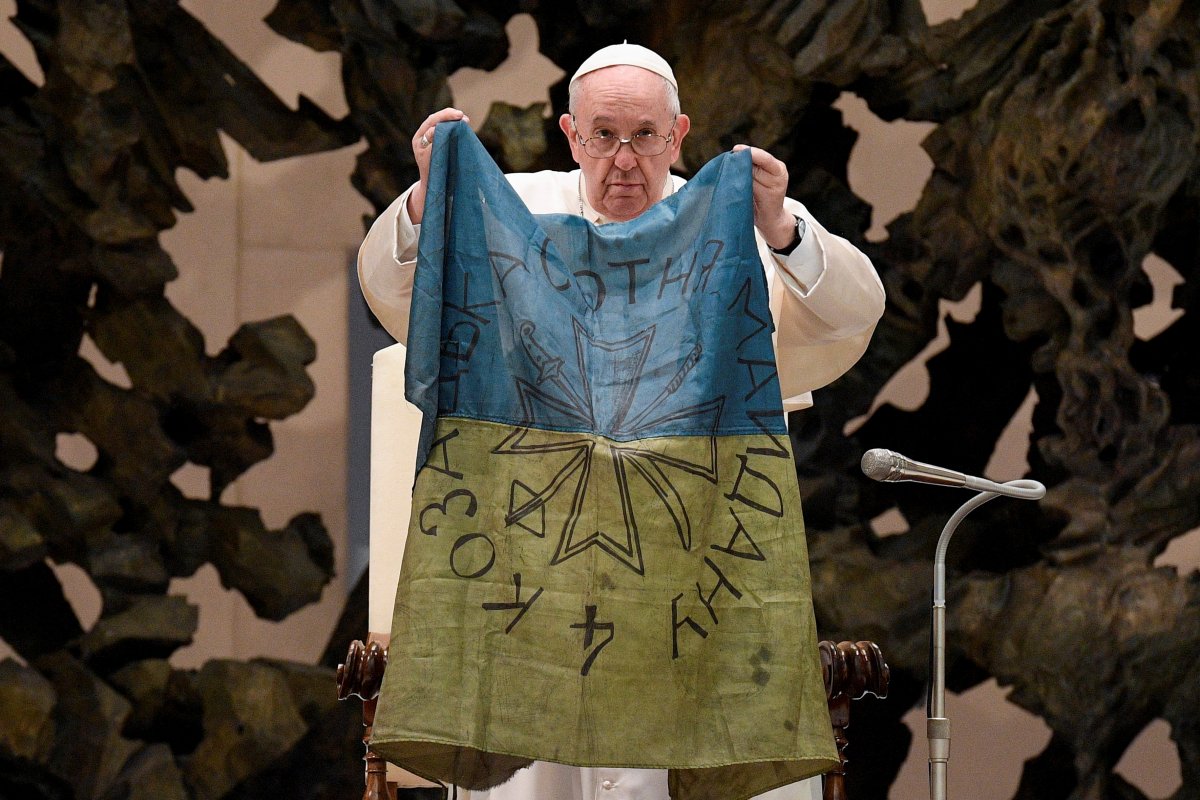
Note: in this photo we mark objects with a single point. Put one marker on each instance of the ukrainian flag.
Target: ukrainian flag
(606, 561)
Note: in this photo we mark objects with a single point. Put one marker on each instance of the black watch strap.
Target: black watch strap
(801, 228)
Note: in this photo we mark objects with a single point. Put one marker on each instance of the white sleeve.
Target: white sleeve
(826, 300)
(387, 261)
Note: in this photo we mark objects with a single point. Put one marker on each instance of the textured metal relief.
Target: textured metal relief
(133, 92)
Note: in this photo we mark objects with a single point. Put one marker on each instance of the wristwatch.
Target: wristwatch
(801, 227)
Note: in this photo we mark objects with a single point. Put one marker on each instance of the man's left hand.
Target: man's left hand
(775, 223)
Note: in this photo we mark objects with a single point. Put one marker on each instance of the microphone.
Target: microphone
(884, 465)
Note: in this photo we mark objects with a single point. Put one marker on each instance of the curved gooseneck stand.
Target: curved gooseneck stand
(937, 724)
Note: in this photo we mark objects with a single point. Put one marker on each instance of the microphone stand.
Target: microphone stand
(937, 725)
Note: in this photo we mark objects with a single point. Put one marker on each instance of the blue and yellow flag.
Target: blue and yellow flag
(606, 561)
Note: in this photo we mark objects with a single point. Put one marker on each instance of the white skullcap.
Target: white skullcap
(625, 54)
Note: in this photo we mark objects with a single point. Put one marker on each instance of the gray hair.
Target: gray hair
(672, 95)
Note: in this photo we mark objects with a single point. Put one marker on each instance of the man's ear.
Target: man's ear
(564, 123)
(682, 125)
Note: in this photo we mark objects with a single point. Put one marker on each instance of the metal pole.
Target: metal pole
(937, 724)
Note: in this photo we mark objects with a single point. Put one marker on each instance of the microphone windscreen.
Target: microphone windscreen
(877, 464)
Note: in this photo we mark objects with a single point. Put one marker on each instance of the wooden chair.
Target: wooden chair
(851, 670)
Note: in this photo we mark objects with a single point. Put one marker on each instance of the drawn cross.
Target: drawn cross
(655, 460)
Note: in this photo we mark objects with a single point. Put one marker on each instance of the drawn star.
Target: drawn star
(610, 408)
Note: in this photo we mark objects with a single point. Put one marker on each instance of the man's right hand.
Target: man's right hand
(422, 145)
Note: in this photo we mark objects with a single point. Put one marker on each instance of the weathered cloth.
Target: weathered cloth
(606, 562)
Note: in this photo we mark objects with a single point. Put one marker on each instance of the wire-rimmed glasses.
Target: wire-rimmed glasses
(605, 144)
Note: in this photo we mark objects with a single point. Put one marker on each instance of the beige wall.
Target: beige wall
(275, 238)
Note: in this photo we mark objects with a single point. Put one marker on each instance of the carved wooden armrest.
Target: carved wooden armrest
(361, 676)
(851, 670)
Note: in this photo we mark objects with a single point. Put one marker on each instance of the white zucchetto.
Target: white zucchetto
(625, 54)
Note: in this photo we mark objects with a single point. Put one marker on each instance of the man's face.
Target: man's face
(623, 101)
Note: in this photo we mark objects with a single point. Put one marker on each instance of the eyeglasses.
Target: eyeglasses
(644, 143)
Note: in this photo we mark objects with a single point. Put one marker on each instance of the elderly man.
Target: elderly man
(625, 130)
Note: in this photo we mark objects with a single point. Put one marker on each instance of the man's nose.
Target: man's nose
(625, 159)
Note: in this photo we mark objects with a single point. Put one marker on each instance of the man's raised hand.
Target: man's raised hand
(773, 221)
(422, 145)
